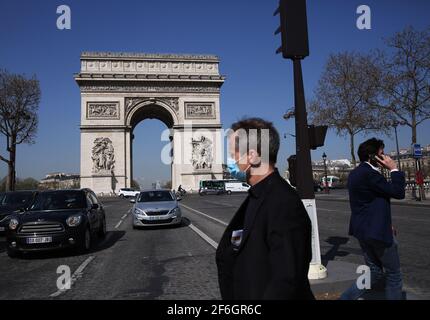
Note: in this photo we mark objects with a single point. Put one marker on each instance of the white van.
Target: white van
(236, 186)
(333, 182)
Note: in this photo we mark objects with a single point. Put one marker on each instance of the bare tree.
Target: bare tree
(405, 78)
(167, 185)
(345, 96)
(19, 104)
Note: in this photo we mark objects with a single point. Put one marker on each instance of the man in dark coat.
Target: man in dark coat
(369, 196)
(266, 249)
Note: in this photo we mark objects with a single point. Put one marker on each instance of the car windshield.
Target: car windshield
(152, 196)
(59, 201)
(17, 199)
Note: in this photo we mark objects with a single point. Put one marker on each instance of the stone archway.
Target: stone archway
(142, 109)
(118, 90)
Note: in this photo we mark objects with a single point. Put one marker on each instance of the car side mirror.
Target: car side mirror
(95, 206)
(133, 201)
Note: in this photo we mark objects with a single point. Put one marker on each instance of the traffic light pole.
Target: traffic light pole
(304, 170)
(304, 175)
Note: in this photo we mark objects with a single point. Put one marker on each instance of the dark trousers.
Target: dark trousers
(384, 264)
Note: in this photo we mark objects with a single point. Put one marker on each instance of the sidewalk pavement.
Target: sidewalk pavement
(340, 276)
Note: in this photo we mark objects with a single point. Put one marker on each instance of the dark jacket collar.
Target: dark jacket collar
(257, 190)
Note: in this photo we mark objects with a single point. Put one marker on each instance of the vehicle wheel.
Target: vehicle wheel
(102, 230)
(85, 245)
(229, 192)
(121, 196)
(13, 253)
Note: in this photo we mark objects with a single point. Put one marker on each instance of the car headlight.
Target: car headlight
(175, 211)
(13, 224)
(139, 212)
(74, 221)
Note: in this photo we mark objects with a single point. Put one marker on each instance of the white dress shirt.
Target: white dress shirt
(378, 169)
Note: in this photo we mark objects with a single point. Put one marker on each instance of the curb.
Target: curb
(407, 204)
(341, 275)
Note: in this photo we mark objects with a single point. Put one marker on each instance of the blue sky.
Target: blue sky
(240, 32)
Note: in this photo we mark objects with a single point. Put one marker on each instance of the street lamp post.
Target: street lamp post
(326, 189)
(395, 124)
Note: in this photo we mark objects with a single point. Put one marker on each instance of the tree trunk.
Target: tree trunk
(11, 177)
(354, 162)
(414, 127)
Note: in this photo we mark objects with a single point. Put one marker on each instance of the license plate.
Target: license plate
(39, 240)
(156, 218)
(2, 228)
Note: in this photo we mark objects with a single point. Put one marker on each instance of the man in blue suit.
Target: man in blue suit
(369, 196)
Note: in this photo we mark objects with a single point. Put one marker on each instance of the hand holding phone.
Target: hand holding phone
(386, 162)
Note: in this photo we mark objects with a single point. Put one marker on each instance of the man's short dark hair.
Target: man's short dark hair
(257, 123)
(369, 147)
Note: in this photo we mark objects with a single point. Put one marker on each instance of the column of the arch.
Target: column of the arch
(172, 173)
(128, 156)
(86, 179)
(177, 164)
(218, 153)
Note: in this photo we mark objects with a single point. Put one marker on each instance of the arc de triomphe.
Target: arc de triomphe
(118, 90)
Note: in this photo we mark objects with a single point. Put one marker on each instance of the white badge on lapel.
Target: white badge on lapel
(236, 237)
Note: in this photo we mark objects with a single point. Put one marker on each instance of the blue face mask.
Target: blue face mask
(234, 170)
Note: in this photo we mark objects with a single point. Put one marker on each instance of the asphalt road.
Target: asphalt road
(179, 262)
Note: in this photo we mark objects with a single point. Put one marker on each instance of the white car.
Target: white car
(128, 192)
(236, 186)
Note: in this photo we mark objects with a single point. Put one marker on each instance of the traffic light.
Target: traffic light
(317, 136)
(292, 169)
(293, 29)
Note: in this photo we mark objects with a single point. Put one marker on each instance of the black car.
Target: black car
(11, 202)
(56, 220)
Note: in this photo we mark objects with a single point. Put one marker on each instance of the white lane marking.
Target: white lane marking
(203, 235)
(122, 219)
(220, 203)
(204, 214)
(76, 275)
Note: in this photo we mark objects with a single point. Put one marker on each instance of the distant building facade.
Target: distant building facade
(339, 168)
(407, 162)
(59, 180)
(342, 167)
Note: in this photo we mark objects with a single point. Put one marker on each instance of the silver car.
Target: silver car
(156, 208)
